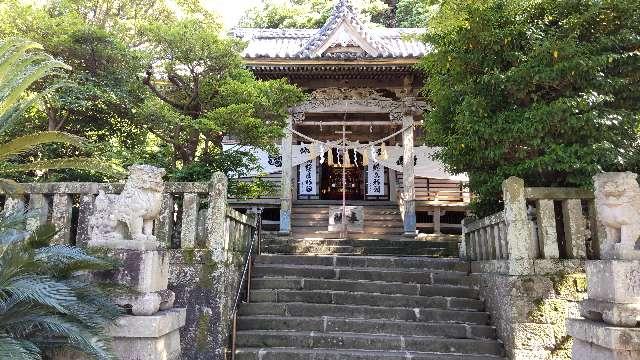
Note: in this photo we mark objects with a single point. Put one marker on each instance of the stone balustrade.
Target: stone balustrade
(184, 218)
(529, 262)
(536, 223)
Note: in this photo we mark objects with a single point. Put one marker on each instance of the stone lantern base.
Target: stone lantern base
(154, 337)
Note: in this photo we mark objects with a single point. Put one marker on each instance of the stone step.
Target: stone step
(377, 234)
(389, 262)
(439, 252)
(373, 287)
(325, 216)
(363, 326)
(313, 340)
(364, 312)
(325, 209)
(323, 224)
(330, 354)
(433, 277)
(361, 298)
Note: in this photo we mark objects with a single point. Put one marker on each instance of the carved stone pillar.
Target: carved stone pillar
(408, 176)
(285, 186)
(611, 328)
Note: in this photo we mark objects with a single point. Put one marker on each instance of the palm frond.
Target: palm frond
(18, 349)
(60, 326)
(41, 289)
(26, 142)
(10, 115)
(11, 51)
(79, 163)
(41, 236)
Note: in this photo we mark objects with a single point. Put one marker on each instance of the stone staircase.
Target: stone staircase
(383, 230)
(363, 308)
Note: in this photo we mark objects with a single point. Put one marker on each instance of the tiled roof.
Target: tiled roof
(343, 36)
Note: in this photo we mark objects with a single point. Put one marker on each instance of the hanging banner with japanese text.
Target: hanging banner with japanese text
(307, 177)
(375, 181)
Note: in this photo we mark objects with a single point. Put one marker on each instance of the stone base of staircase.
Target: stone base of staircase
(363, 307)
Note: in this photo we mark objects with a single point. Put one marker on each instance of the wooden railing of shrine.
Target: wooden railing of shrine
(536, 223)
(441, 204)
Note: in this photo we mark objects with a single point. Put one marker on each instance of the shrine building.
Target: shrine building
(361, 121)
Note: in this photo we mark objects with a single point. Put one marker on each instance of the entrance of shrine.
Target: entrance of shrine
(331, 177)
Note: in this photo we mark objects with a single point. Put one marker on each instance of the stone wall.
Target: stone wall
(530, 301)
(206, 288)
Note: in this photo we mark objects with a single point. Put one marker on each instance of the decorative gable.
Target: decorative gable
(344, 35)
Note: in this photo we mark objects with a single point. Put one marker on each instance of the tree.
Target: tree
(21, 65)
(545, 90)
(106, 87)
(44, 304)
(203, 94)
(414, 13)
(307, 14)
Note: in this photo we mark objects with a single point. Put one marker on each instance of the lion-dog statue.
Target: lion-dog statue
(618, 205)
(129, 215)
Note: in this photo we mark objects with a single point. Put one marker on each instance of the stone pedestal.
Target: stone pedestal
(611, 329)
(154, 337)
(151, 331)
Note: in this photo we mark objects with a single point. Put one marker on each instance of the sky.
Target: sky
(230, 11)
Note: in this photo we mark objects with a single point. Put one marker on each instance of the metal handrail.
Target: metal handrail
(254, 241)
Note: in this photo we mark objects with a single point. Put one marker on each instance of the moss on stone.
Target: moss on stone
(207, 271)
(202, 331)
(188, 256)
(570, 286)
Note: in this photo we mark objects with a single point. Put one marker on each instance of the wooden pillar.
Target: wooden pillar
(285, 187)
(408, 177)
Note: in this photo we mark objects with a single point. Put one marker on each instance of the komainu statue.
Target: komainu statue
(618, 205)
(129, 215)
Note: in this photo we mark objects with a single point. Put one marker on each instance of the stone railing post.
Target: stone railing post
(611, 329)
(515, 215)
(216, 216)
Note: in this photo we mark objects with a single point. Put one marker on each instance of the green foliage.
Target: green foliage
(202, 93)
(45, 301)
(21, 65)
(109, 44)
(414, 13)
(544, 90)
(306, 14)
